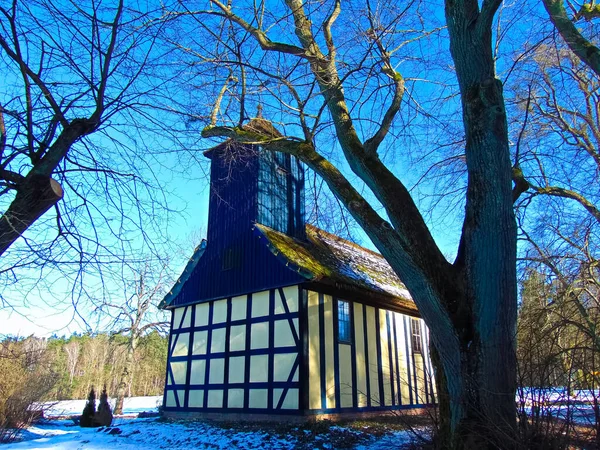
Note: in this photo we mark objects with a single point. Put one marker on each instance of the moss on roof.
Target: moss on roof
(327, 257)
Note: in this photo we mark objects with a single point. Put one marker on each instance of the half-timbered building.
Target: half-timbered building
(274, 316)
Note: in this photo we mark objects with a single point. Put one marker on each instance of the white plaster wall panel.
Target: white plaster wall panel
(171, 399)
(259, 335)
(258, 398)
(235, 398)
(345, 375)
(260, 304)
(237, 364)
(282, 366)
(200, 342)
(201, 318)
(217, 344)
(403, 372)
(179, 370)
(198, 371)
(276, 396)
(215, 398)
(283, 334)
(329, 353)
(177, 316)
(181, 396)
(220, 311)
(394, 365)
(196, 398)
(314, 359)
(361, 364)
(291, 298)
(181, 345)
(182, 318)
(259, 368)
(217, 369)
(291, 399)
(237, 338)
(291, 295)
(238, 307)
(279, 309)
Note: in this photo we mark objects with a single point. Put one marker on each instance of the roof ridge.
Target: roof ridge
(345, 241)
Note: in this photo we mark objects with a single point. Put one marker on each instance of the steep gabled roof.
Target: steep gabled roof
(322, 258)
(327, 258)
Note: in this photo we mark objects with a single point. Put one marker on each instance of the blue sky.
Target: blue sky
(44, 309)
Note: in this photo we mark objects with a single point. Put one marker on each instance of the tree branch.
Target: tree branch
(582, 47)
(259, 35)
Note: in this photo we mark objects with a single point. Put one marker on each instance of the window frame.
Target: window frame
(344, 322)
(416, 335)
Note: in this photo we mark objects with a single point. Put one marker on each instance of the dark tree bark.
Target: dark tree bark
(582, 47)
(35, 196)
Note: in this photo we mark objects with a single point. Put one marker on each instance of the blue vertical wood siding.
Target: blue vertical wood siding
(247, 186)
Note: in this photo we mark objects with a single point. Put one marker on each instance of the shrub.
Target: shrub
(89, 411)
(26, 380)
(104, 416)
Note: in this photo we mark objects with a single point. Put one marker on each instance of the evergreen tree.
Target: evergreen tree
(87, 417)
(104, 415)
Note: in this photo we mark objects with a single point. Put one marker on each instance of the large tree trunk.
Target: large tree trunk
(481, 386)
(36, 195)
(126, 376)
(476, 412)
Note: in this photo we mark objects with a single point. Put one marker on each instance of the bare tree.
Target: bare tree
(136, 315)
(72, 350)
(330, 71)
(76, 177)
(557, 168)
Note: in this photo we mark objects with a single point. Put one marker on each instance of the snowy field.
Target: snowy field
(132, 405)
(153, 433)
(559, 403)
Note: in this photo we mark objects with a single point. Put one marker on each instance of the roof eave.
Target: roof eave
(185, 275)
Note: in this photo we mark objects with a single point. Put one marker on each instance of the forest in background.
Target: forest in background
(63, 368)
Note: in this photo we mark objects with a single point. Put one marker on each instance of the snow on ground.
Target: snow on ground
(560, 403)
(131, 405)
(153, 433)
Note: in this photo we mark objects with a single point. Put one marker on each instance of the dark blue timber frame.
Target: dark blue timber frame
(301, 362)
(209, 356)
(372, 405)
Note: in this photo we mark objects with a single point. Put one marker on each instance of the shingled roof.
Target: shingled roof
(327, 258)
(323, 258)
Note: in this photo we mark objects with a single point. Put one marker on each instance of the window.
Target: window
(415, 329)
(343, 321)
(232, 258)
